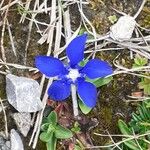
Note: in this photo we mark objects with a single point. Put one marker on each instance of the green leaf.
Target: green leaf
(44, 126)
(82, 31)
(46, 136)
(143, 113)
(124, 128)
(140, 61)
(126, 131)
(52, 118)
(136, 117)
(77, 147)
(100, 81)
(146, 110)
(62, 133)
(21, 10)
(83, 62)
(148, 105)
(51, 145)
(76, 128)
(112, 19)
(132, 145)
(84, 108)
(51, 128)
(145, 84)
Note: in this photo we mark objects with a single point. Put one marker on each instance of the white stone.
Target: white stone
(23, 122)
(7, 143)
(16, 142)
(4, 145)
(123, 29)
(23, 93)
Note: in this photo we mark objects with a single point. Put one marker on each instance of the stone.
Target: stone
(1, 140)
(8, 144)
(23, 93)
(122, 30)
(16, 142)
(4, 145)
(23, 122)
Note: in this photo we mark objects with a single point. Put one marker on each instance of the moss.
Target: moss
(2, 92)
(2, 87)
(144, 18)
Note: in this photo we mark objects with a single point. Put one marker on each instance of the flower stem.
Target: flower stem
(74, 100)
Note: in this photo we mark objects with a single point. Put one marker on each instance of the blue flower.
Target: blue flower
(73, 73)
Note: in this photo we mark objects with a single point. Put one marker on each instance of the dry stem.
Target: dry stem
(5, 119)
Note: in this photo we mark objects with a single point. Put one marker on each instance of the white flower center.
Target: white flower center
(73, 74)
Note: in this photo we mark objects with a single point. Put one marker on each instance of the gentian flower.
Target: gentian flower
(73, 73)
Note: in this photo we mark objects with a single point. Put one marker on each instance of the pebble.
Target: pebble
(23, 122)
(4, 145)
(16, 142)
(123, 29)
(23, 93)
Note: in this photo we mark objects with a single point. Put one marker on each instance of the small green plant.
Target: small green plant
(147, 102)
(51, 131)
(112, 19)
(139, 61)
(76, 128)
(139, 125)
(22, 10)
(144, 84)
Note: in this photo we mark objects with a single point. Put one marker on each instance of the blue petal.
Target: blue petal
(75, 50)
(88, 93)
(96, 68)
(59, 90)
(49, 66)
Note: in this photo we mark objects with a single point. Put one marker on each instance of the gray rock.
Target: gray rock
(1, 140)
(23, 122)
(8, 144)
(4, 145)
(122, 30)
(16, 142)
(23, 93)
